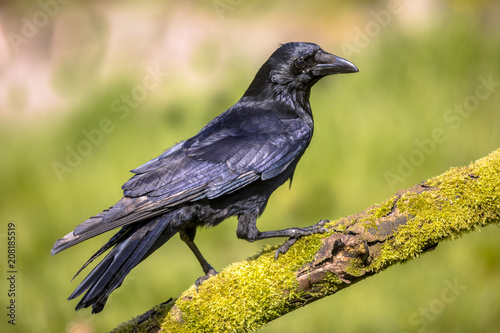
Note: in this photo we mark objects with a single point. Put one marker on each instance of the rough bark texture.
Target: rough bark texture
(247, 295)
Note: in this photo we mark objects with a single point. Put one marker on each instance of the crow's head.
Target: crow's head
(296, 67)
(303, 64)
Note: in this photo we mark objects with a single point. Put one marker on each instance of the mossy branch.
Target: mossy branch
(247, 295)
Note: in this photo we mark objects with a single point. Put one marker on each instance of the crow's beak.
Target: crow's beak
(327, 64)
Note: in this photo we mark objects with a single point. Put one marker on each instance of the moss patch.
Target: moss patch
(464, 199)
(245, 295)
(329, 285)
(383, 209)
(377, 212)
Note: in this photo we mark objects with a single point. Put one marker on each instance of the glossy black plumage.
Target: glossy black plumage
(230, 168)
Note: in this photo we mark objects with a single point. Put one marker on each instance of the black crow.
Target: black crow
(230, 168)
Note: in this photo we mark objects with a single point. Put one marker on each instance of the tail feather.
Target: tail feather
(112, 242)
(125, 212)
(132, 244)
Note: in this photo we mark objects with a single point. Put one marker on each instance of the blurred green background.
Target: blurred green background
(76, 115)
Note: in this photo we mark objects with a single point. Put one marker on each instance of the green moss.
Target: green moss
(462, 199)
(383, 209)
(356, 268)
(377, 212)
(245, 295)
(341, 228)
(328, 285)
(338, 226)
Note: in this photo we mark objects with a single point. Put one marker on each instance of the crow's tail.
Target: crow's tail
(132, 244)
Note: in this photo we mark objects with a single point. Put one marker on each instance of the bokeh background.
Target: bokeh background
(92, 89)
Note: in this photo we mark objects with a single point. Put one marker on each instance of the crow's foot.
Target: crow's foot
(200, 280)
(299, 232)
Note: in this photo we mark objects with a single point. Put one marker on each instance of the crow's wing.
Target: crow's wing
(235, 149)
(232, 151)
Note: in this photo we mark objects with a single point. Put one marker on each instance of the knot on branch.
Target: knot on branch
(345, 256)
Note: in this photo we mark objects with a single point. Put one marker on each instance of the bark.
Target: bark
(247, 295)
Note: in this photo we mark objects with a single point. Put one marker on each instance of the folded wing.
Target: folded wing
(227, 155)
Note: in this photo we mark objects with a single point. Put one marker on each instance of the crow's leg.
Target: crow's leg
(247, 229)
(187, 236)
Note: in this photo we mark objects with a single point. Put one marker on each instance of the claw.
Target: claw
(200, 280)
(322, 230)
(317, 226)
(322, 222)
(314, 229)
(284, 247)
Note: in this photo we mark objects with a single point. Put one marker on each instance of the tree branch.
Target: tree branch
(248, 294)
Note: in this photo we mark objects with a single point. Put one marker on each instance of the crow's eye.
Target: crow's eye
(299, 63)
